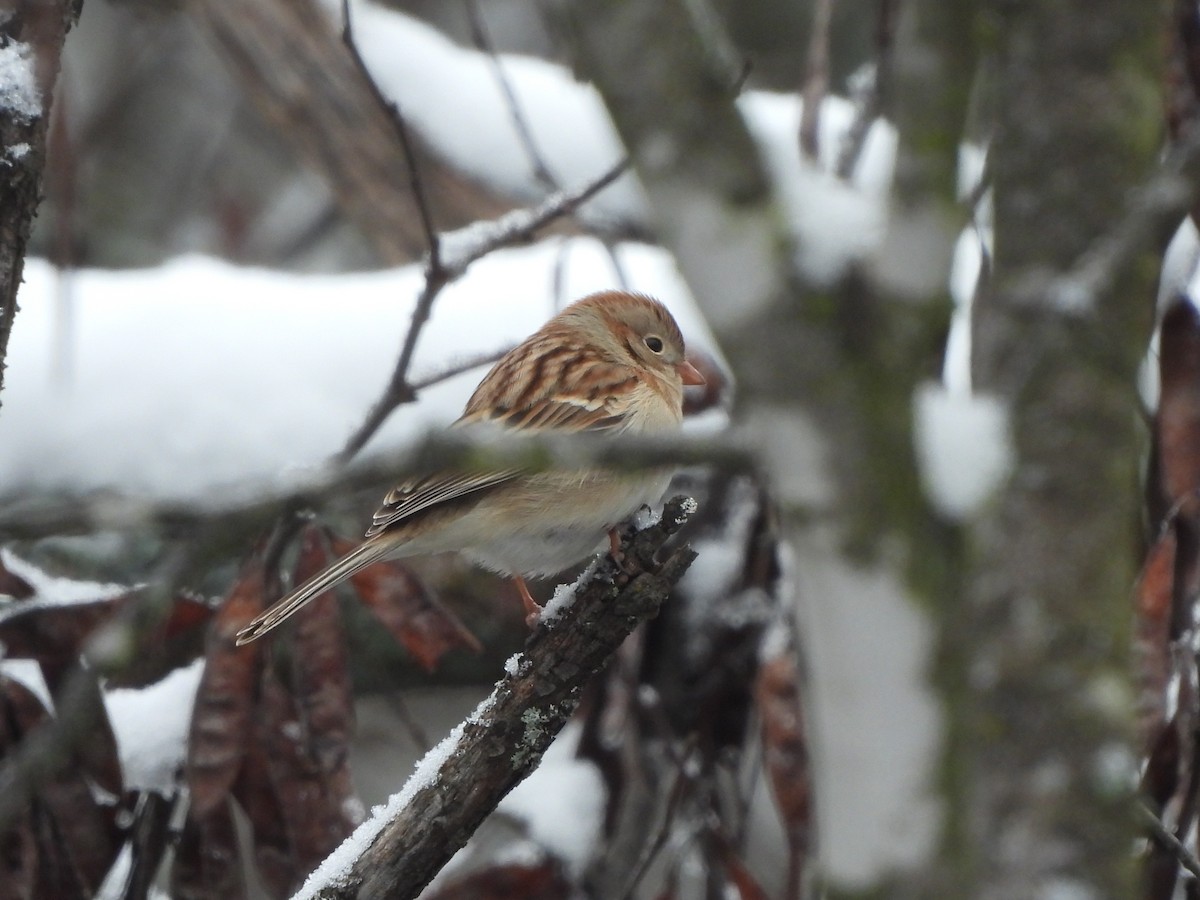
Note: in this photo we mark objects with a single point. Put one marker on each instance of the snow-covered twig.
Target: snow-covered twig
(398, 850)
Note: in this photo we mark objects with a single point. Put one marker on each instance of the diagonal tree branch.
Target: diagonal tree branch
(456, 786)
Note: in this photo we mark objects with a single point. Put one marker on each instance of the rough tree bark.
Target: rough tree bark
(31, 37)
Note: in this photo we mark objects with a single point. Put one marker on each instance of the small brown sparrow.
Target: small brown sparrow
(612, 362)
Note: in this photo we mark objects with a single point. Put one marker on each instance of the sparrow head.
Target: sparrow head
(634, 330)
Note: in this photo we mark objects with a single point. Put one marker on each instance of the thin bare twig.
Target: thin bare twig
(1166, 837)
(401, 129)
(816, 82)
(457, 368)
(462, 248)
(482, 39)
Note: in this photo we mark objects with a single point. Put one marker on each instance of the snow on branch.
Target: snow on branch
(405, 843)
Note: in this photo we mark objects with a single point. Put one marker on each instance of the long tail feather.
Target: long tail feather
(359, 558)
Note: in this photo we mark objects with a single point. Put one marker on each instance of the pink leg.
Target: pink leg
(614, 547)
(533, 611)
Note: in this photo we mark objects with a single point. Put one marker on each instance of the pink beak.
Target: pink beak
(689, 373)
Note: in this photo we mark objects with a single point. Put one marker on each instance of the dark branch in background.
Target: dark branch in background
(41, 25)
(242, 512)
(400, 127)
(873, 97)
(1151, 214)
(816, 82)
(483, 41)
(504, 740)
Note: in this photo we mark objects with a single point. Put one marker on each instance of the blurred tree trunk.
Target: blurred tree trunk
(1029, 603)
(1049, 609)
(31, 38)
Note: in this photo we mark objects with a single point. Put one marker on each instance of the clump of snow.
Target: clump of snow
(564, 595)
(514, 664)
(964, 450)
(646, 517)
(452, 96)
(19, 94)
(562, 802)
(834, 221)
(17, 152)
(687, 508)
(51, 590)
(151, 727)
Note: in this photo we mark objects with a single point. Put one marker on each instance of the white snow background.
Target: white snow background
(188, 378)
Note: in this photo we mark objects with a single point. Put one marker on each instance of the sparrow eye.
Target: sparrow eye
(655, 344)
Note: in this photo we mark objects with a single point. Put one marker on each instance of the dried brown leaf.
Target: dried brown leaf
(1178, 418)
(317, 810)
(406, 608)
(1152, 635)
(18, 860)
(322, 674)
(785, 756)
(785, 749)
(222, 717)
(20, 712)
(171, 643)
(255, 792)
(54, 633)
(207, 859)
(74, 838)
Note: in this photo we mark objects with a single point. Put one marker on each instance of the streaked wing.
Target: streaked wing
(566, 415)
(553, 384)
(421, 494)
